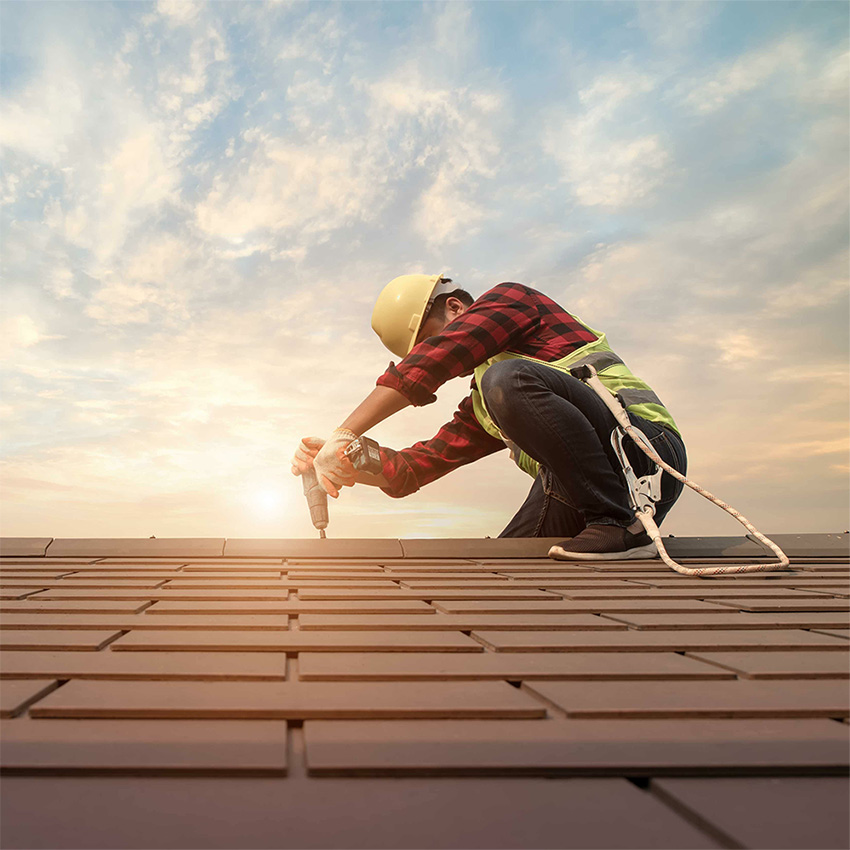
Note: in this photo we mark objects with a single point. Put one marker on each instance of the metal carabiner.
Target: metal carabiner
(645, 491)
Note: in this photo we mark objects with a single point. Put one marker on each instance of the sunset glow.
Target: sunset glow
(203, 200)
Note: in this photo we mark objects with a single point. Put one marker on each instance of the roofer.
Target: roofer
(519, 344)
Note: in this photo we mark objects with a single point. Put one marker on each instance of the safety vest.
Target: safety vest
(636, 395)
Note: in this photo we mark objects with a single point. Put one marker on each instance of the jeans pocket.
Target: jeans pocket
(661, 440)
(642, 463)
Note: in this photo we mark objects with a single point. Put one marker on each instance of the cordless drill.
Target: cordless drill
(317, 499)
(365, 456)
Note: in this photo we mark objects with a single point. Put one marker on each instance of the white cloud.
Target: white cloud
(454, 36)
(21, 331)
(119, 302)
(130, 184)
(744, 74)
(824, 284)
(603, 167)
(317, 38)
(444, 214)
(289, 187)
(450, 134)
(833, 81)
(40, 120)
(61, 283)
(673, 24)
(205, 334)
(179, 12)
(740, 350)
(618, 174)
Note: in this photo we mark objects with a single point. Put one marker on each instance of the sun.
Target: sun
(268, 501)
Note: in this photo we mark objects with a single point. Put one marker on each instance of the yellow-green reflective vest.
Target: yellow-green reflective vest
(636, 394)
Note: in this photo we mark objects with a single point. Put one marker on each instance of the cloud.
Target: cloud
(447, 135)
(603, 167)
(17, 332)
(202, 201)
(40, 119)
(454, 34)
(444, 212)
(178, 12)
(675, 25)
(738, 349)
(744, 74)
(287, 187)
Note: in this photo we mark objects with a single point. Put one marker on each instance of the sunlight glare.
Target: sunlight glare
(268, 501)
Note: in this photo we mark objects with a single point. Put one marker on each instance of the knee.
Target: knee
(500, 383)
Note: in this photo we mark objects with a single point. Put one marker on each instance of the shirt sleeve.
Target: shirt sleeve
(500, 318)
(457, 443)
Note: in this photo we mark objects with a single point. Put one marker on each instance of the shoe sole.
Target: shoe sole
(559, 554)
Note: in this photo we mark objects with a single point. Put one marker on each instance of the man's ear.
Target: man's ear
(455, 305)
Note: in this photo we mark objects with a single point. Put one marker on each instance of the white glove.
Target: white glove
(307, 449)
(332, 469)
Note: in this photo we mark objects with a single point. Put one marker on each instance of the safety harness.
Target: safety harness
(603, 371)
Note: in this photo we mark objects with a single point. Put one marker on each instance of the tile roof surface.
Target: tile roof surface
(218, 693)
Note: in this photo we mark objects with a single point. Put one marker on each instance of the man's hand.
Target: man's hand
(307, 450)
(334, 471)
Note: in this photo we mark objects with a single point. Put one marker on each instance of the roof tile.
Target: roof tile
(785, 813)
(144, 746)
(447, 657)
(63, 639)
(459, 622)
(299, 641)
(210, 666)
(15, 696)
(646, 699)
(667, 666)
(663, 641)
(781, 665)
(287, 700)
(159, 547)
(574, 747)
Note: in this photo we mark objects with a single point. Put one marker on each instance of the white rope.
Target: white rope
(652, 529)
(645, 516)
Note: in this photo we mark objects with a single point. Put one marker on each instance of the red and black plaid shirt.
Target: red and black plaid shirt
(509, 317)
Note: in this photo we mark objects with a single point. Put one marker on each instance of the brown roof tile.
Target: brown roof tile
(131, 665)
(781, 665)
(577, 747)
(785, 813)
(741, 698)
(141, 747)
(287, 700)
(666, 666)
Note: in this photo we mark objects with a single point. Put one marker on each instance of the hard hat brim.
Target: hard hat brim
(441, 286)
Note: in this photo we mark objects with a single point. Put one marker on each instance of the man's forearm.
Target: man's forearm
(372, 479)
(381, 403)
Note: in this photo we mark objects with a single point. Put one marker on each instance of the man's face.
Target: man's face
(435, 324)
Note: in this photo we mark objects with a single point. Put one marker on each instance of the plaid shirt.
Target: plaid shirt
(509, 317)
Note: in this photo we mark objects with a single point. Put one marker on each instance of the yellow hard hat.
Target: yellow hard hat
(401, 306)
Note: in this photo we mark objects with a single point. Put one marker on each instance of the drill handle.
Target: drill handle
(317, 499)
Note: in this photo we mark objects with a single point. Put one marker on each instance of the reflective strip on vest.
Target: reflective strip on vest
(630, 397)
(598, 359)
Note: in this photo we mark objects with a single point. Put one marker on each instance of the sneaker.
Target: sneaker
(604, 543)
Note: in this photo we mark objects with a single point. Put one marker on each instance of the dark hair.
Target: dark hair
(438, 308)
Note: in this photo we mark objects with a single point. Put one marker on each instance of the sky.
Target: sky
(202, 201)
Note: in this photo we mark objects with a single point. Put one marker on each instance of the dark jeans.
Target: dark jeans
(562, 423)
